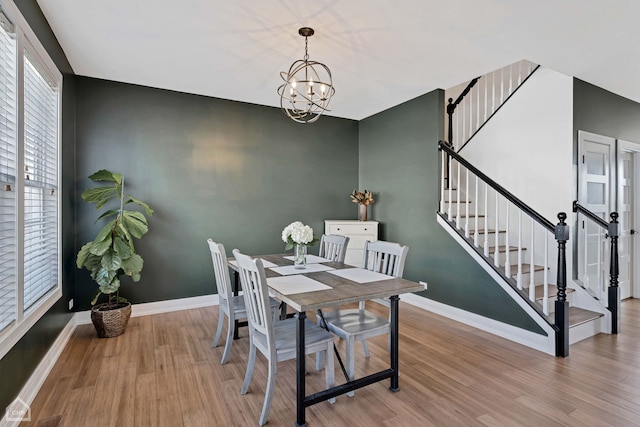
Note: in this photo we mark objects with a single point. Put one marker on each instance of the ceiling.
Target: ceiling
(381, 53)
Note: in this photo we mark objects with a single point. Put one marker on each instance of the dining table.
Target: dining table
(324, 284)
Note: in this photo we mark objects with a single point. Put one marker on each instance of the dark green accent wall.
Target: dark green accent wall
(605, 113)
(19, 363)
(399, 162)
(235, 172)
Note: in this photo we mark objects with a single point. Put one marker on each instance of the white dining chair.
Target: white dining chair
(232, 307)
(276, 341)
(359, 324)
(333, 247)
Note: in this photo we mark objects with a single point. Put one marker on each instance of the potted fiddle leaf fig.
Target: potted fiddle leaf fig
(112, 254)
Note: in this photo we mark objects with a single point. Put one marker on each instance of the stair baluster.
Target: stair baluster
(532, 286)
(475, 227)
(519, 276)
(486, 219)
(466, 218)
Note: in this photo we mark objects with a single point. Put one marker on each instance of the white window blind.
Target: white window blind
(40, 183)
(30, 104)
(8, 215)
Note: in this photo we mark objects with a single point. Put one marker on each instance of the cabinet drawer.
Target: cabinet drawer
(350, 229)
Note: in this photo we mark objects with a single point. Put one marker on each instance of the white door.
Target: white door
(627, 202)
(596, 154)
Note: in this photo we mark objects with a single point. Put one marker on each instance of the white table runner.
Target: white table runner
(295, 284)
(360, 275)
(290, 269)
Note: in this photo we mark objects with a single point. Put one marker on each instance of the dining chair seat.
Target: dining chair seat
(362, 324)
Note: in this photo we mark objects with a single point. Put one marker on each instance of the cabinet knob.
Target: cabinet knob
(365, 229)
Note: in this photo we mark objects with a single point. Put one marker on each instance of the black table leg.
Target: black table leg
(394, 343)
(236, 290)
(300, 371)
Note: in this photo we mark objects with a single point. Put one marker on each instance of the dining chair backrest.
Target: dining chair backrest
(385, 257)
(256, 295)
(221, 271)
(333, 247)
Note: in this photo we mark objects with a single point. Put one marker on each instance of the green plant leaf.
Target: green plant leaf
(105, 231)
(122, 299)
(133, 265)
(83, 254)
(288, 246)
(135, 223)
(121, 247)
(147, 208)
(110, 287)
(108, 213)
(104, 175)
(100, 247)
(111, 261)
(104, 277)
(93, 262)
(99, 195)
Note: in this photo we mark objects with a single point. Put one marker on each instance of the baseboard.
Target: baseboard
(157, 307)
(35, 381)
(530, 339)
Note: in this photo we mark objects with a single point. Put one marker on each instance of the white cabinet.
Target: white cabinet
(358, 232)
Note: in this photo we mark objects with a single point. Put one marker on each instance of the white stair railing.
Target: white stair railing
(481, 98)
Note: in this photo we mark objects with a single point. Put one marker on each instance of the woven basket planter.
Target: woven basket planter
(113, 322)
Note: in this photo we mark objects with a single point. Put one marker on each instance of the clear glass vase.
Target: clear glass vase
(300, 256)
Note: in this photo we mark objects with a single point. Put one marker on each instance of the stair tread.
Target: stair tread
(553, 291)
(578, 316)
(471, 215)
(490, 231)
(503, 248)
(526, 268)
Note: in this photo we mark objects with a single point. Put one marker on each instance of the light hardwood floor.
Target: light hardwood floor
(163, 372)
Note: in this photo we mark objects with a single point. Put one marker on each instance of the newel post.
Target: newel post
(614, 290)
(561, 303)
(450, 109)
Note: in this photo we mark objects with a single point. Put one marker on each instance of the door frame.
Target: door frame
(580, 250)
(634, 148)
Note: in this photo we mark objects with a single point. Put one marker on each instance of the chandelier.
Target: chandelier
(307, 87)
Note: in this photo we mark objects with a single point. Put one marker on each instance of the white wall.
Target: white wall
(532, 133)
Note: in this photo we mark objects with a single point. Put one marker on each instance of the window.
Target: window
(30, 86)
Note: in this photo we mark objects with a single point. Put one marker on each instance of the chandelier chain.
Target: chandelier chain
(306, 45)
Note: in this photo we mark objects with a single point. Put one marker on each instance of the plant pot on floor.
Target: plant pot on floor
(110, 322)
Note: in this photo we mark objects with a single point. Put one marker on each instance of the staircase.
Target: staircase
(519, 265)
(523, 251)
